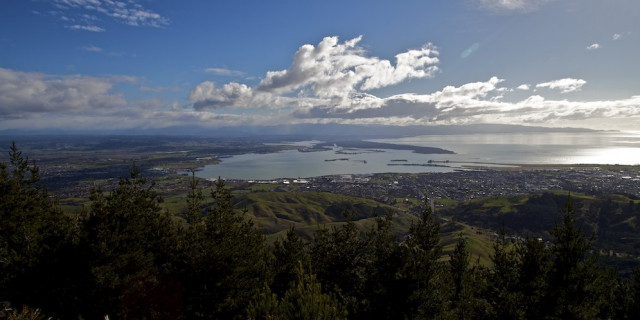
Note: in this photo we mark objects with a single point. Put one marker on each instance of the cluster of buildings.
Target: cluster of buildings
(466, 185)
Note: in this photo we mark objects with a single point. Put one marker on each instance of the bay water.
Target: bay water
(470, 150)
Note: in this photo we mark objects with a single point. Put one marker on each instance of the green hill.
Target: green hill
(613, 219)
(275, 212)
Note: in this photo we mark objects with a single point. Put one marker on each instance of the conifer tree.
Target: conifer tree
(36, 239)
(574, 277)
(129, 244)
(289, 254)
(222, 261)
(503, 291)
(635, 291)
(304, 300)
(535, 263)
(466, 284)
(387, 289)
(339, 259)
(193, 213)
(460, 273)
(422, 250)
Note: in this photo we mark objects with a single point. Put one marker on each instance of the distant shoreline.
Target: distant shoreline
(380, 145)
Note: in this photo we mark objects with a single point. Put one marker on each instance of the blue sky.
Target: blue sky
(107, 64)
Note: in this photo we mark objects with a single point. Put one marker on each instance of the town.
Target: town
(471, 184)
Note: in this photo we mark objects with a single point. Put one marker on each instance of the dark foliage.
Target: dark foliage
(127, 258)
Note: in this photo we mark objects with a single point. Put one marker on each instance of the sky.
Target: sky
(165, 64)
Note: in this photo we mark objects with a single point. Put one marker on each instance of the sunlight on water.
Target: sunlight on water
(627, 156)
(470, 149)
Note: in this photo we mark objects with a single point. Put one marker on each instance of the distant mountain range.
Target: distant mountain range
(313, 131)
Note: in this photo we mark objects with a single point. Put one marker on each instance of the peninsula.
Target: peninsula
(380, 145)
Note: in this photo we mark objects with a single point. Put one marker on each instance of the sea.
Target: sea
(471, 151)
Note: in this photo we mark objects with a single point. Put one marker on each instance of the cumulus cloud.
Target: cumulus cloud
(475, 103)
(333, 69)
(42, 101)
(565, 85)
(333, 74)
(594, 46)
(458, 109)
(616, 36)
(24, 92)
(333, 82)
(230, 95)
(52, 101)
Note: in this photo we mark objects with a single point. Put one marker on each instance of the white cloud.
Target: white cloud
(564, 85)
(230, 95)
(594, 46)
(146, 88)
(411, 64)
(335, 70)
(475, 103)
(129, 12)
(510, 5)
(34, 100)
(86, 28)
(616, 36)
(225, 72)
(92, 49)
(334, 74)
(96, 49)
(332, 83)
(478, 102)
(23, 92)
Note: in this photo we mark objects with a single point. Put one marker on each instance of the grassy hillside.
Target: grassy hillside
(275, 212)
(480, 241)
(613, 219)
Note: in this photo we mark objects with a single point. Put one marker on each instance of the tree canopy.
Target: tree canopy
(127, 258)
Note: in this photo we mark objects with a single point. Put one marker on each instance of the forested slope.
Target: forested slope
(613, 219)
(127, 258)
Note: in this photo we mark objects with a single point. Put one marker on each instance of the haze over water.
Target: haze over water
(471, 150)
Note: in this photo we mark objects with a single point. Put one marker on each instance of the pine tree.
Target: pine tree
(423, 271)
(304, 300)
(36, 239)
(535, 264)
(193, 212)
(635, 292)
(340, 260)
(387, 289)
(288, 255)
(129, 243)
(466, 284)
(222, 261)
(503, 294)
(460, 274)
(574, 277)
